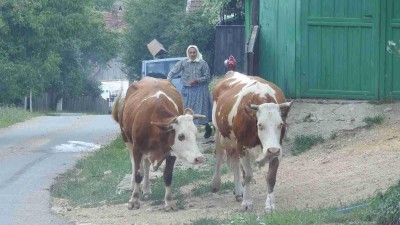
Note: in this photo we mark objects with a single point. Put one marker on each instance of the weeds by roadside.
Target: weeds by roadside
(378, 119)
(304, 142)
(13, 115)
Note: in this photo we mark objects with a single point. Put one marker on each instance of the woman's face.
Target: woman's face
(192, 53)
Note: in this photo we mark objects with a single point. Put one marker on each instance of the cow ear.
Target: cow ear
(285, 107)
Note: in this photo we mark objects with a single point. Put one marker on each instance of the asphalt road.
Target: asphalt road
(33, 153)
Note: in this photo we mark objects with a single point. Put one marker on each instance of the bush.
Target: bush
(386, 207)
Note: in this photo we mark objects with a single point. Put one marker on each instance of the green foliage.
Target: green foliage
(216, 11)
(87, 185)
(304, 142)
(148, 20)
(373, 120)
(104, 5)
(192, 29)
(12, 115)
(50, 45)
(386, 207)
(206, 222)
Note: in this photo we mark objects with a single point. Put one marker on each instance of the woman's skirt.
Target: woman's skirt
(198, 99)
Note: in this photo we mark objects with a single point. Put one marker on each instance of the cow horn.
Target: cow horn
(255, 107)
(198, 116)
(189, 111)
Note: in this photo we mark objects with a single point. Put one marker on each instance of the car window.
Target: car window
(160, 69)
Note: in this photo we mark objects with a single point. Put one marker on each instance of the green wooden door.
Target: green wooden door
(392, 74)
(339, 49)
(277, 43)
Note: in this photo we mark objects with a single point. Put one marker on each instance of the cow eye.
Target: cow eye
(181, 137)
(280, 125)
(260, 126)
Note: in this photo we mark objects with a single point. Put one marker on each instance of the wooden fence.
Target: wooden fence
(86, 104)
(229, 40)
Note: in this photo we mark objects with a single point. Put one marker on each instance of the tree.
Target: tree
(50, 45)
(176, 29)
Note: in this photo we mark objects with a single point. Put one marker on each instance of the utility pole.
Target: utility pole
(30, 100)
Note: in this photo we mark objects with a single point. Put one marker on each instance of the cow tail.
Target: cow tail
(114, 112)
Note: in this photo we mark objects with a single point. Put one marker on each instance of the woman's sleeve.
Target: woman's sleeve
(176, 69)
(205, 70)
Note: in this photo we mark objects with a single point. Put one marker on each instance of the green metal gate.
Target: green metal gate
(340, 49)
(392, 69)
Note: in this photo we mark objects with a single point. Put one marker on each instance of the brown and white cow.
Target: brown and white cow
(249, 115)
(155, 128)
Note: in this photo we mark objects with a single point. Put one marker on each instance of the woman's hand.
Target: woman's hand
(192, 82)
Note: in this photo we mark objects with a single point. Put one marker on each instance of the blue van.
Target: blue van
(159, 68)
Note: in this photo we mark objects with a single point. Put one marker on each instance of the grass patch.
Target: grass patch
(205, 189)
(373, 120)
(383, 209)
(181, 177)
(304, 142)
(206, 222)
(87, 185)
(13, 115)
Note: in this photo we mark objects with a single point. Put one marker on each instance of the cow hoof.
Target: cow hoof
(239, 198)
(133, 205)
(146, 197)
(215, 185)
(246, 208)
(170, 207)
(269, 210)
(214, 189)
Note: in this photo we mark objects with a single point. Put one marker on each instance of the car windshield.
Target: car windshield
(160, 69)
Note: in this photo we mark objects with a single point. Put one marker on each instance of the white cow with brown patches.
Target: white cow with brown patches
(249, 115)
(155, 128)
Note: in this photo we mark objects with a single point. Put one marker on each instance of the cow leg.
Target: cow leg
(247, 203)
(219, 157)
(271, 179)
(235, 167)
(169, 167)
(134, 200)
(130, 150)
(146, 190)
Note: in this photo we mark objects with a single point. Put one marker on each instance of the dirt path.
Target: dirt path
(351, 167)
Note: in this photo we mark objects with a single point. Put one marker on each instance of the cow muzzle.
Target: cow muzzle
(273, 152)
(266, 155)
(198, 160)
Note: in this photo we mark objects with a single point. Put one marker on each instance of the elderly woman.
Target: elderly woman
(195, 79)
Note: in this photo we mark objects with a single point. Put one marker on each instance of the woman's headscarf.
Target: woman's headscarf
(198, 57)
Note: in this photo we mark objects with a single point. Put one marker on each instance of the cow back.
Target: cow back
(149, 100)
(232, 96)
